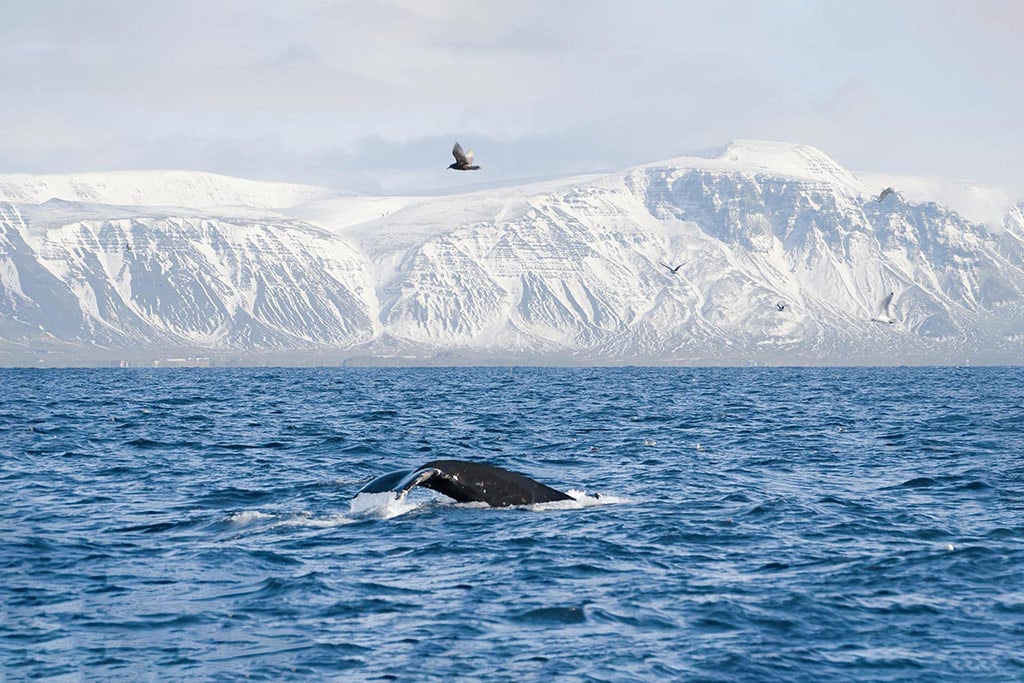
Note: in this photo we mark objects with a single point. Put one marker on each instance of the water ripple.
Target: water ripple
(727, 525)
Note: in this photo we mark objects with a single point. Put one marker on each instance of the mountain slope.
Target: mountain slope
(563, 271)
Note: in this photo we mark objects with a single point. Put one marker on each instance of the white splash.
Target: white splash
(580, 500)
(247, 517)
(307, 520)
(384, 505)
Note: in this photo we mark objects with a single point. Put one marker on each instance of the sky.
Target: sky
(369, 96)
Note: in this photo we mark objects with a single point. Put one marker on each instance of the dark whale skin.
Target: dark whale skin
(468, 482)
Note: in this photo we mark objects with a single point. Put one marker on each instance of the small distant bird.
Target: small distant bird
(885, 193)
(675, 269)
(884, 314)
(463, 160)
(780, 306)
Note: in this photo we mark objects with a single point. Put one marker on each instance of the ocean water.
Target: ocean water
(748, 525)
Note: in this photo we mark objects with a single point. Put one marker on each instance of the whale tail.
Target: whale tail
(468, 482)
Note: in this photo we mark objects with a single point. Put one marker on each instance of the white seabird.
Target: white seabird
(884, 314)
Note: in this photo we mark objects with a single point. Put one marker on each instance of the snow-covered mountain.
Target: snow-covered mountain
(157, 188)
(570, 271)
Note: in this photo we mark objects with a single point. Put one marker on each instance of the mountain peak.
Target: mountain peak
(775, 158)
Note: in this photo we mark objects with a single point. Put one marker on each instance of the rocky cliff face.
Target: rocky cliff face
(567, 271)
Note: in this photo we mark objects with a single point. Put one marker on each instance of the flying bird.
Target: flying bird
(463, 160)
(885, 193)
(675, 269)
(780, 306)
(884, 314)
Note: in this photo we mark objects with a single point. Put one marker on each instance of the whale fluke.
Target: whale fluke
(468, 482)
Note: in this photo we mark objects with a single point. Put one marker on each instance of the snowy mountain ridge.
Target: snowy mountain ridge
(192, 189)
(784, 258)
(777, 159)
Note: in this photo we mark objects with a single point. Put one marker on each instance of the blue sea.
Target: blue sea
(727, 525)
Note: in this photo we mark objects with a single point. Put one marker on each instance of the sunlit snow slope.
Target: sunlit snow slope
(564, 271)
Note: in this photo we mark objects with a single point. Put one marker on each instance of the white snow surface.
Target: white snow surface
(566, 271)
(780, 159)
(157, 188)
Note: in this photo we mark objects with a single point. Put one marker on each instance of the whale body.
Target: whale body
(468, 482)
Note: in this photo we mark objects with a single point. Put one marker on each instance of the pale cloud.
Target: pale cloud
(369, 96)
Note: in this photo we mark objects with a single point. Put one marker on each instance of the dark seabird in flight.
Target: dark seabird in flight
(885, 193)
(463, 160)
(884, 314)
(674, 270)
(780, 306)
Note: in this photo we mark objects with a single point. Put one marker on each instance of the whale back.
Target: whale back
(468, 482)
(496, 486)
